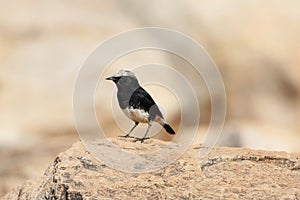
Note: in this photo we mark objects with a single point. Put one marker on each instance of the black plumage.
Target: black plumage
(137, 103)
(141, 99)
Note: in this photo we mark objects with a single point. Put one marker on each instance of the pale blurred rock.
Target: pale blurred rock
(41, 56)
(227, 173)
(29, 161)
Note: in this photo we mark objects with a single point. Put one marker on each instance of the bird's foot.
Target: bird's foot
(125, 136)
(140, 139)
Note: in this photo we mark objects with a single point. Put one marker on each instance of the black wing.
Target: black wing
(141, 99)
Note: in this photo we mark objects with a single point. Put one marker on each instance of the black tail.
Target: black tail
(169, 129)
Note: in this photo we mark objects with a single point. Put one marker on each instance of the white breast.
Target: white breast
(137, 115)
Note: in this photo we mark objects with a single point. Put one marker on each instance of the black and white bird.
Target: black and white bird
(136, 103)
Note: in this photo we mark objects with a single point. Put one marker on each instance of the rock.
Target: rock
(227, 173)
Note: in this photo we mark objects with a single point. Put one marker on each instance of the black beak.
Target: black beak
(111, 78)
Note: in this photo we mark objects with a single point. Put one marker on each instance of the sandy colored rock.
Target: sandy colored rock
(227, 173)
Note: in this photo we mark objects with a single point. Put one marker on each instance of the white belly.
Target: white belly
(137, 115)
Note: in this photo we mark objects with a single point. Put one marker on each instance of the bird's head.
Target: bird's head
(124, 78)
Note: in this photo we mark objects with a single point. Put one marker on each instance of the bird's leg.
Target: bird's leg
(146, 133)
(128, 134)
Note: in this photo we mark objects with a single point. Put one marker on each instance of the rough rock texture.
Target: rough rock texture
(227, 173)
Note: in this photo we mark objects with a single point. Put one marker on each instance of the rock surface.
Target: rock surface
(227, 173)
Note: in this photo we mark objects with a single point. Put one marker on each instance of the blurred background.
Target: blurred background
(255, 44)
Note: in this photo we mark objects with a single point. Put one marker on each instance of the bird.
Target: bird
(137, 104)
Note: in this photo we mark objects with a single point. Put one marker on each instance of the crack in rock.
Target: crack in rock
(279, 161)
